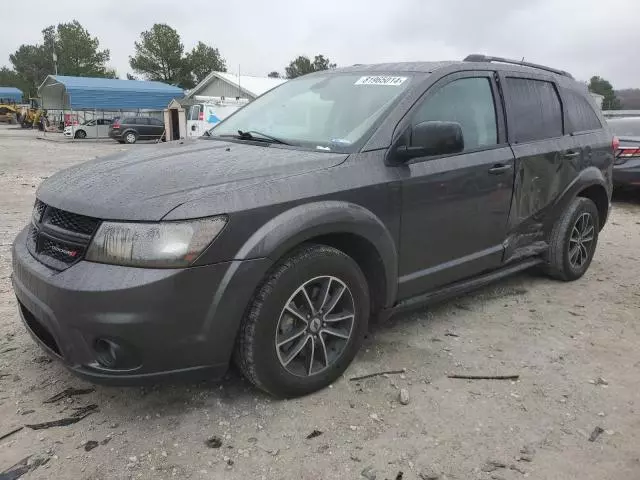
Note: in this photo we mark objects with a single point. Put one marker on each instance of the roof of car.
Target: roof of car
(431, 67)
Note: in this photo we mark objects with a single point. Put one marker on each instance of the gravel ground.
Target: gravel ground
(574, 345)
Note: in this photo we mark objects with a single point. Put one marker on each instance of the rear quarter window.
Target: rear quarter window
(534, 110)
(581, 116)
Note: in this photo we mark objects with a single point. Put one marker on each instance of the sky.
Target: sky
(585, 37)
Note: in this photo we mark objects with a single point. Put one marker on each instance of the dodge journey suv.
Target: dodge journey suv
(335, 199)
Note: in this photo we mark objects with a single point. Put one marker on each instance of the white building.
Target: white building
(230, 85)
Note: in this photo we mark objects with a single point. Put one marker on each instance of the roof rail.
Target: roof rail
(484, 58)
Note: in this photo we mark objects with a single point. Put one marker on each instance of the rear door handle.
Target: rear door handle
(570, 154)
(499, 169)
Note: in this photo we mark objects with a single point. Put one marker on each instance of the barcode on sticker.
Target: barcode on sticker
(380, 80)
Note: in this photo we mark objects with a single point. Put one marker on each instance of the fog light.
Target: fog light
(107, 352)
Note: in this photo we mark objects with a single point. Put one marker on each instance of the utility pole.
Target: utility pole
(55, 62)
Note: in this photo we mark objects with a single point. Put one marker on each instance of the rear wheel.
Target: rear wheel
(573, 240)
(305, 323)
(130, 137)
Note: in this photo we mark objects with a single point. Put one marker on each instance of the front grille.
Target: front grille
(71, 221)
(58, 238)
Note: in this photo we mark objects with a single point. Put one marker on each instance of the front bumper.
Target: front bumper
(627, 174)
(167, 322)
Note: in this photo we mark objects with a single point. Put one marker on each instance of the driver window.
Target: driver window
(469, 102)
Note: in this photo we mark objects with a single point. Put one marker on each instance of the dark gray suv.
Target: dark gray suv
(337, 198)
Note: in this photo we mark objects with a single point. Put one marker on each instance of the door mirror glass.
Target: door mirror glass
(433, 138)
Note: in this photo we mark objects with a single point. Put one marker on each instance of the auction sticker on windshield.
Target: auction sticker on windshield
(381, 80)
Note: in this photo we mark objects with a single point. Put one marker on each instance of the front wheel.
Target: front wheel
(81, 134)
(573, 240)
(305, 323)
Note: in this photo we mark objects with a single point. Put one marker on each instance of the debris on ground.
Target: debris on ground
(27, 412)
(75, 417)
(314, 434)
(485, 377)
(526, 454)
(492, 465)
(428, 474)
(11, 432)
(595, 434)
(90, 445)
(451, 334)
(369, 473)
(68, 393)
(213, 442)
(24, 466)
(399, 476)
(599, 381)
(516, 468)
(403, 396)
(378, 374)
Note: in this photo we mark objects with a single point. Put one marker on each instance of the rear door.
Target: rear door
(546, 159)
(157, 127)
(193, 120)
(455, 207)
(143, 127)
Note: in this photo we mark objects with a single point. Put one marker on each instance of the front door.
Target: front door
(193, 121)
(455, 207)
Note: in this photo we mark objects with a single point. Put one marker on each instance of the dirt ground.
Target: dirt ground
(575, 346)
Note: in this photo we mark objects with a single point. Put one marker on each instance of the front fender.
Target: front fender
(305, 222)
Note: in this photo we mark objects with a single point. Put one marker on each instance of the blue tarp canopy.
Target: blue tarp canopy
(11, 93)
(86, 93)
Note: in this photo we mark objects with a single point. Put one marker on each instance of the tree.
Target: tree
(602, 87)
(131, 77)
(203, 60)
(32, 64)
(303, 65)
(274, 74)
(77, 51)
(159, 55)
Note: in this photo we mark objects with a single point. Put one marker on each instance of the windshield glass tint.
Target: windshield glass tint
(625, 127)
(331, 111)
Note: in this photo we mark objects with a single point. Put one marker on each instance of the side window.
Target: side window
(534, 110)
(582, 118)
(469, 102)
(90, 123)
(142, 121)
(194, 112)
(155, 121)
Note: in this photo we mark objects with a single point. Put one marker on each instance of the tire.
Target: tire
(570, 250)
(130, 137)
(121, 141)
(268, 323)
(80, 134)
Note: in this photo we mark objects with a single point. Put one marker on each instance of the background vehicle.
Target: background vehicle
(337, 197)
(204, 116)
(98, 128)
(131, 129)
(8, 112)
(626, 168)
(31, 115)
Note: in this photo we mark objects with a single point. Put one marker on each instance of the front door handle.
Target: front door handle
(570, 154)
(499, 169)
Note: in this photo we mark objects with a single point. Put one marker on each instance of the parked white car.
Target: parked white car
(98, 128)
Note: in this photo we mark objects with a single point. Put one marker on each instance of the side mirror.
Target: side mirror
(433, 138)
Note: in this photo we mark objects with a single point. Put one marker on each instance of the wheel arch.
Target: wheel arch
(346, 226)
(590, 183)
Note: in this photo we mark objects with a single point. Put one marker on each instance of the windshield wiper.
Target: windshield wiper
(250, 135)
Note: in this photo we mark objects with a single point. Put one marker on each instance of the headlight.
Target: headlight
(160, 245)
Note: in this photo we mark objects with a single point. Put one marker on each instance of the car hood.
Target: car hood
(147, 182)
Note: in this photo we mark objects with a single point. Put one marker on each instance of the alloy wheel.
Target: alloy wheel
(581, 240)
(315, 326)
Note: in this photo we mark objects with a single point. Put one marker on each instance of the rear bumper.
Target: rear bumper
(166, 323)
(627, 174)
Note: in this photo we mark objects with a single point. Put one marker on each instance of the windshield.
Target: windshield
(625, 127)
(328, 112)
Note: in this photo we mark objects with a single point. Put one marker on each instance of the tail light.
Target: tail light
(625, 153)
(116, 124)
(615, 143)
(201, 116)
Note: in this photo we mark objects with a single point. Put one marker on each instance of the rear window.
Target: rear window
(581, 115)
(535, 111)
(129, 120)
(625, 127)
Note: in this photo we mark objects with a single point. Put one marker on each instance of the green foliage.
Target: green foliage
(602, 87)
(159, 54)
(203, 60)
(274, 74)
(303, 65)
(78, 52)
